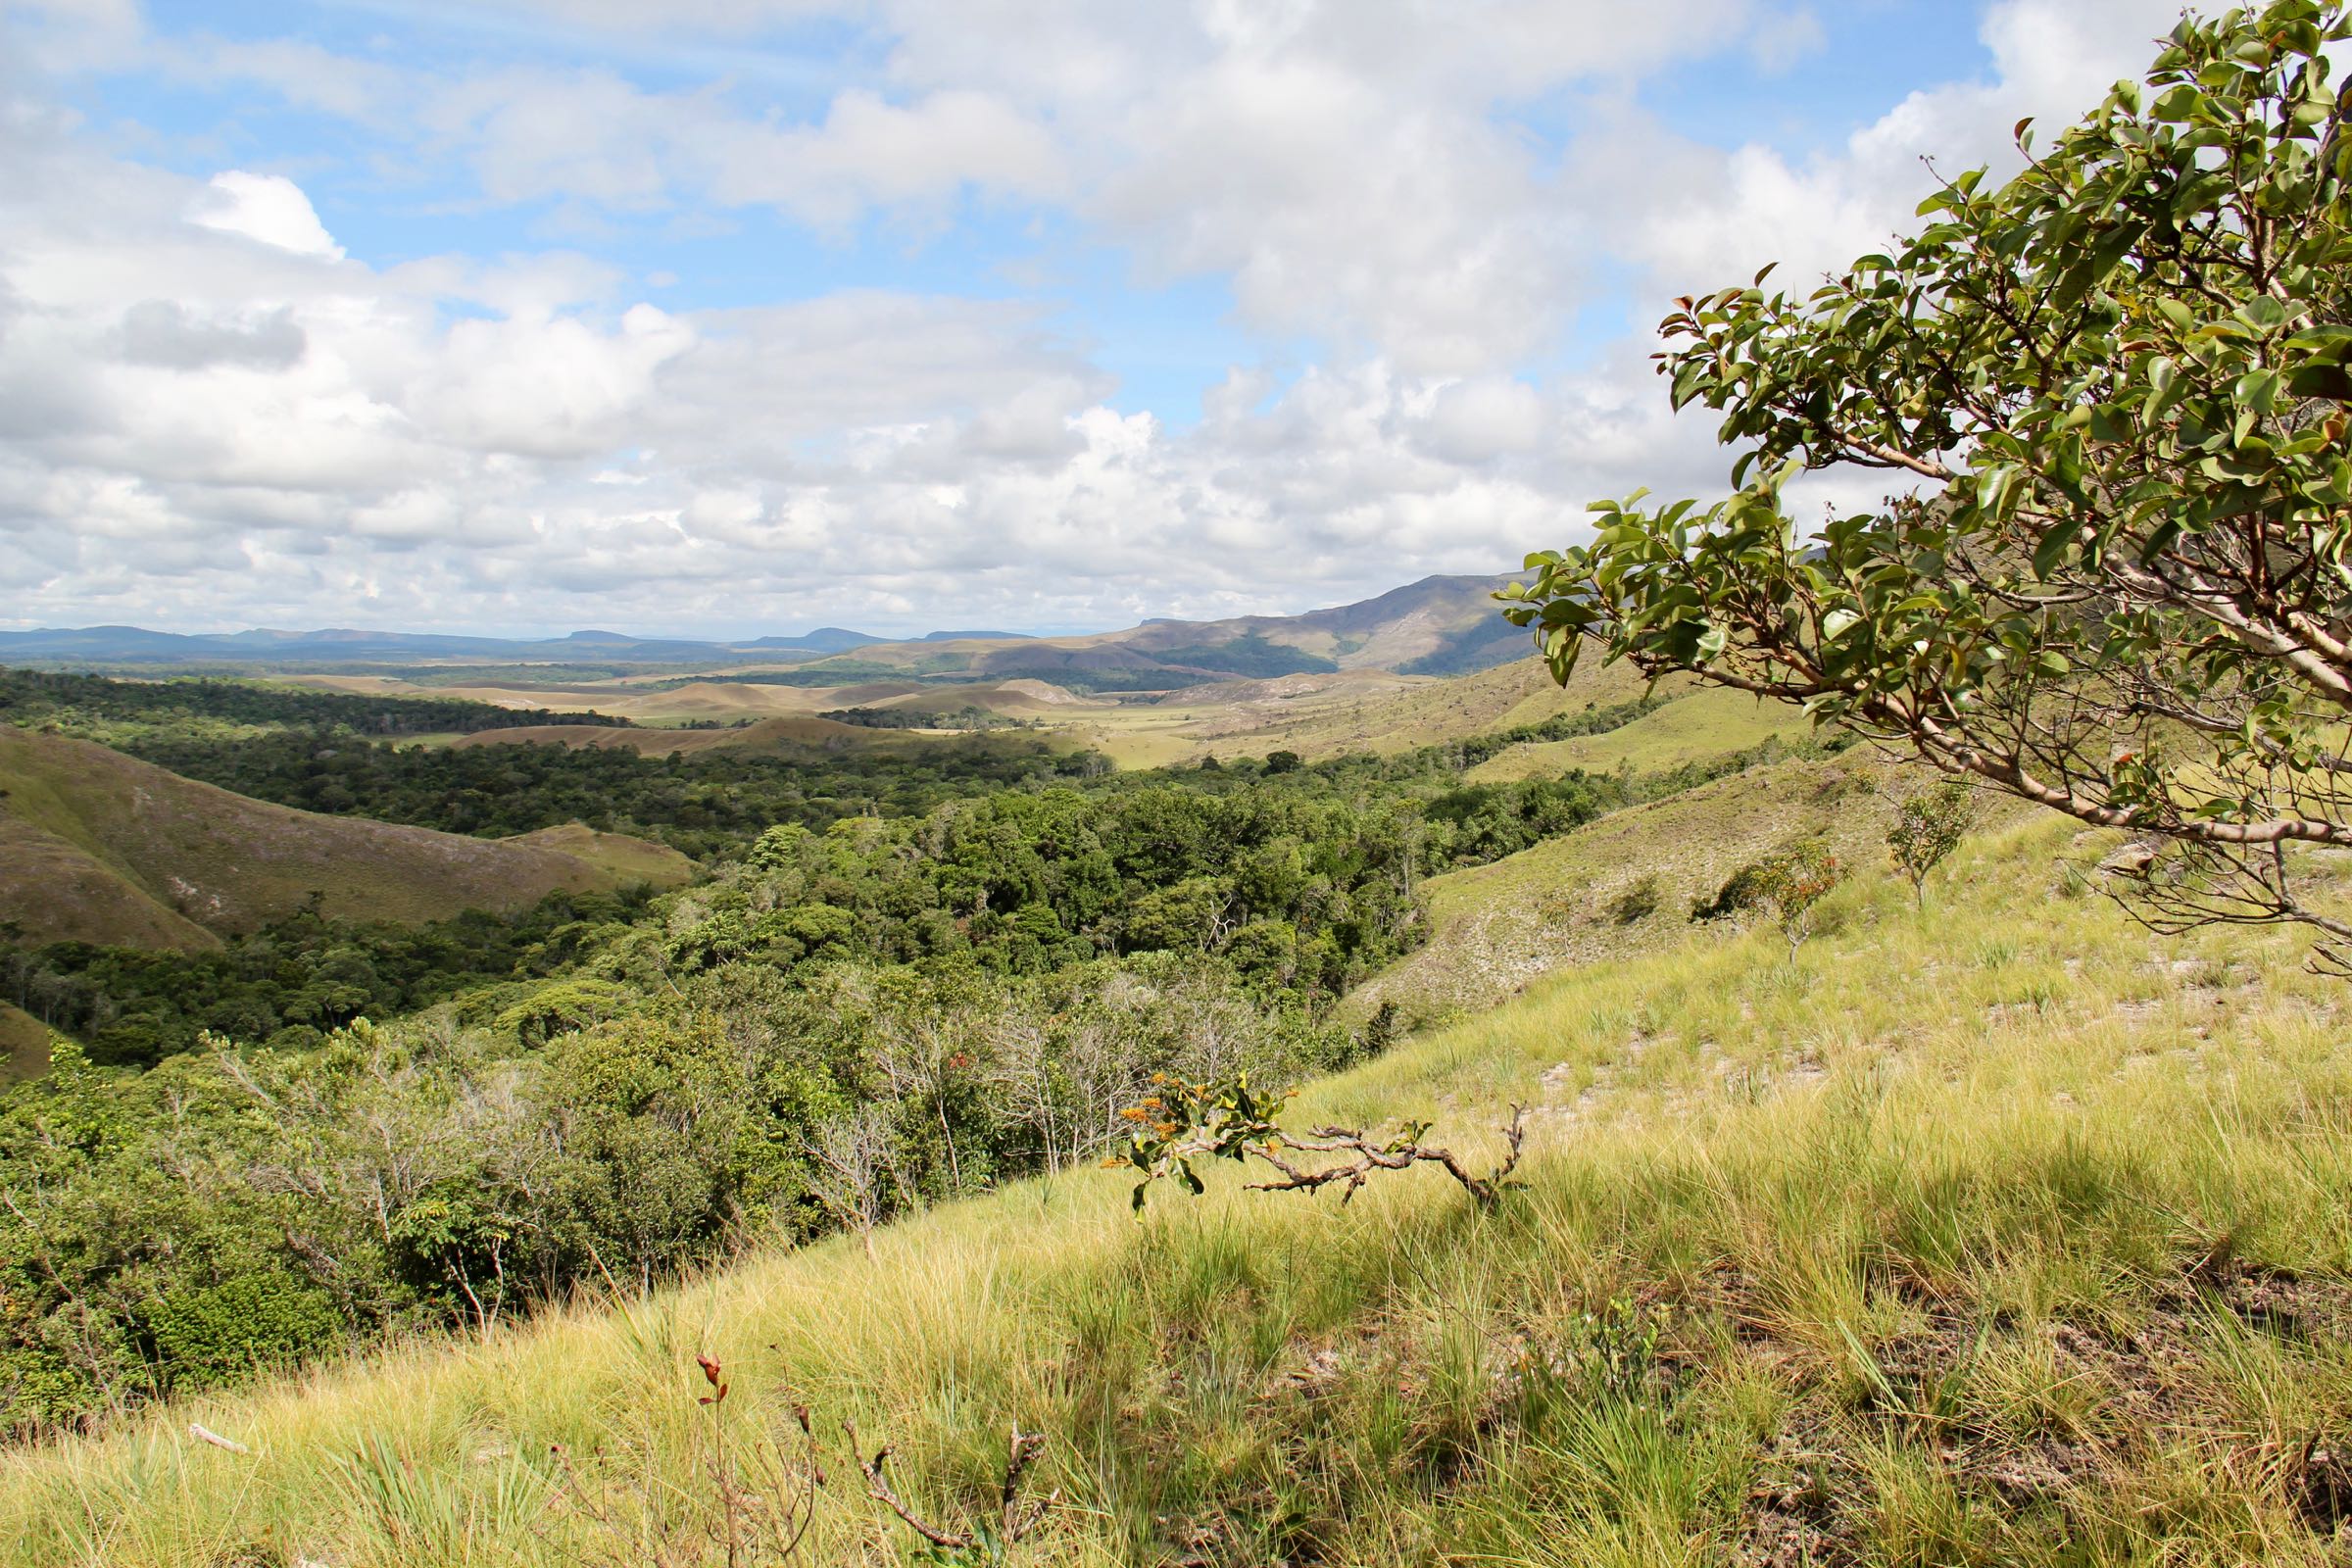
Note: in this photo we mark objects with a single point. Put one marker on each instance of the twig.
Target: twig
(878, 1487)
(1017, 1521)
(1229, 1120)
(1026, 1447)
(203, 1434)
(1398, 1154)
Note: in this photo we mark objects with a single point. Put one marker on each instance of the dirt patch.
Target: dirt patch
(2270, 1300)
(1925, 1388)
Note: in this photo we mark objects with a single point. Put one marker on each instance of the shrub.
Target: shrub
(1636, 903)
(1791, 884)
(215, 1334)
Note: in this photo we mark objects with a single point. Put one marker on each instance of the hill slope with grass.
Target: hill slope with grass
(1699, 724)
(1321, 716)
(23, 1045)
(1955, 1239)
(99, 847)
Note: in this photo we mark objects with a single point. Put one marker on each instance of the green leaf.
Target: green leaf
(2320, 379)
(2050, 553)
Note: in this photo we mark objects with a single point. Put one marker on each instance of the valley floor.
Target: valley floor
(2002, 1233)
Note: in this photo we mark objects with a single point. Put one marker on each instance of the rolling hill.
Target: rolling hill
(1699, 723)
(1437, 626)
(1376, 711)
(97, 847)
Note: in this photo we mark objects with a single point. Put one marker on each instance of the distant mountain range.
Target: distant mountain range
(1437, 626)
(823, 640)
(340, 645)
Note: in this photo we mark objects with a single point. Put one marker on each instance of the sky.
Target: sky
(731, 317)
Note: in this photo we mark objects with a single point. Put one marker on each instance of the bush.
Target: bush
(1636, 903)
(210, 1335)
(1789, 883)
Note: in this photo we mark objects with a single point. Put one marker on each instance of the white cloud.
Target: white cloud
(1702, 218)
(163, 332)
(1472, 422)
(542, 386)
(70, 35)
(1778, 42)
(209, 411)
(869, 153)
(268, 208)
(593, 136)
(722, 17)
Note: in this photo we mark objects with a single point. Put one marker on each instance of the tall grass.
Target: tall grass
(2004, 1235)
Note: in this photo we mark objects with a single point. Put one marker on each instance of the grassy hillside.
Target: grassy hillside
(1320, 716)
(1009, 699)
(1622, 884)
(1702, 722)
(623, 859)
(1956, 1240)
(57, 890)
(1626, 883)
(97, 847)
(23, 1045)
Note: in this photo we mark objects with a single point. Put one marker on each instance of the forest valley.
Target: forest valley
(907, 975)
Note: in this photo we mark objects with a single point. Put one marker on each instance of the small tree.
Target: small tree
(1927, 827)
(1789, 884)
(2119, 386)
(853, 1170)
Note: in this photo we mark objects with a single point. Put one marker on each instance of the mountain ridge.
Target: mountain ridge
(1438, 625)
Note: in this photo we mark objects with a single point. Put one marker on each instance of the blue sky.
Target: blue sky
(523, 314)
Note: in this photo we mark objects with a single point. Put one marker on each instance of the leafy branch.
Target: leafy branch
(1227, 1120)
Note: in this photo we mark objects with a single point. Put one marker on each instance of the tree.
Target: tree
(1927, 827)
(2117, 384)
